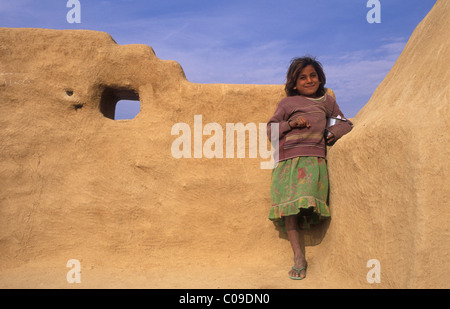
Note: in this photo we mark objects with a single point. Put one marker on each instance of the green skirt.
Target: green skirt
(300, 187)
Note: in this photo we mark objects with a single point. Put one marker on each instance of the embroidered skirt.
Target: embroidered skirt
(300, 187)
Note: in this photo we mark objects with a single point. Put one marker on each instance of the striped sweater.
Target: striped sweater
(306, 142)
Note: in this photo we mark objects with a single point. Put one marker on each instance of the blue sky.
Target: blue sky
(247, 42)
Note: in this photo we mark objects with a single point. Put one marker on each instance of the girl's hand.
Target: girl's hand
(330, 138)
(299, 122)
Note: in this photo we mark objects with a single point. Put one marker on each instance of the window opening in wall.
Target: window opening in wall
(119, 103)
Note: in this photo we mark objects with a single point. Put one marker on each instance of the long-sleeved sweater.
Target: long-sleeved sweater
(311, 142)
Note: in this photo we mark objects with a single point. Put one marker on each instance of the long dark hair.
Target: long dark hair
(296, 66)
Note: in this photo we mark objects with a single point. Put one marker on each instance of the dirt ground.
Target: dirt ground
(77, 184)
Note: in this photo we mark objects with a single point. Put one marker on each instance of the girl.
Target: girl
(299, 189)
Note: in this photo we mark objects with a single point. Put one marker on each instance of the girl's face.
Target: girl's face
(308, 82)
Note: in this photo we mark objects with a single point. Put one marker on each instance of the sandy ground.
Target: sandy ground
(78, 185)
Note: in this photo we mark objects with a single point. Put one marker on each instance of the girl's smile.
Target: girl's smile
(308, 82)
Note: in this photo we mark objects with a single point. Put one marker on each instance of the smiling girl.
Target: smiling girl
(299, 190)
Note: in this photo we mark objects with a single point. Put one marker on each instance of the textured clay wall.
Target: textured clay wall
(77, 184)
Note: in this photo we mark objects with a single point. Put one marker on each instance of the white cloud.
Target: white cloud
(354, 76)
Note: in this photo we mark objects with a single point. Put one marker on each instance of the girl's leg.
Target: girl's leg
(293, 231)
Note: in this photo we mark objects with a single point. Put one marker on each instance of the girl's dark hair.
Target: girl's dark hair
(297, 65)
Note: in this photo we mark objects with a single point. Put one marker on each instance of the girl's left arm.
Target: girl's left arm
(342, 128)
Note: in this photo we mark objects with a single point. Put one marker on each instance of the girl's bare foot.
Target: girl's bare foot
(299, 269)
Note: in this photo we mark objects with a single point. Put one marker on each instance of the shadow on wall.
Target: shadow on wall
(311, 237)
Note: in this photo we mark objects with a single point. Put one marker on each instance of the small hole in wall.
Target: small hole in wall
(119, 103)
(77, 106)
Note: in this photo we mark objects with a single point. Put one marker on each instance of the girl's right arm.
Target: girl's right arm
(280, 118)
